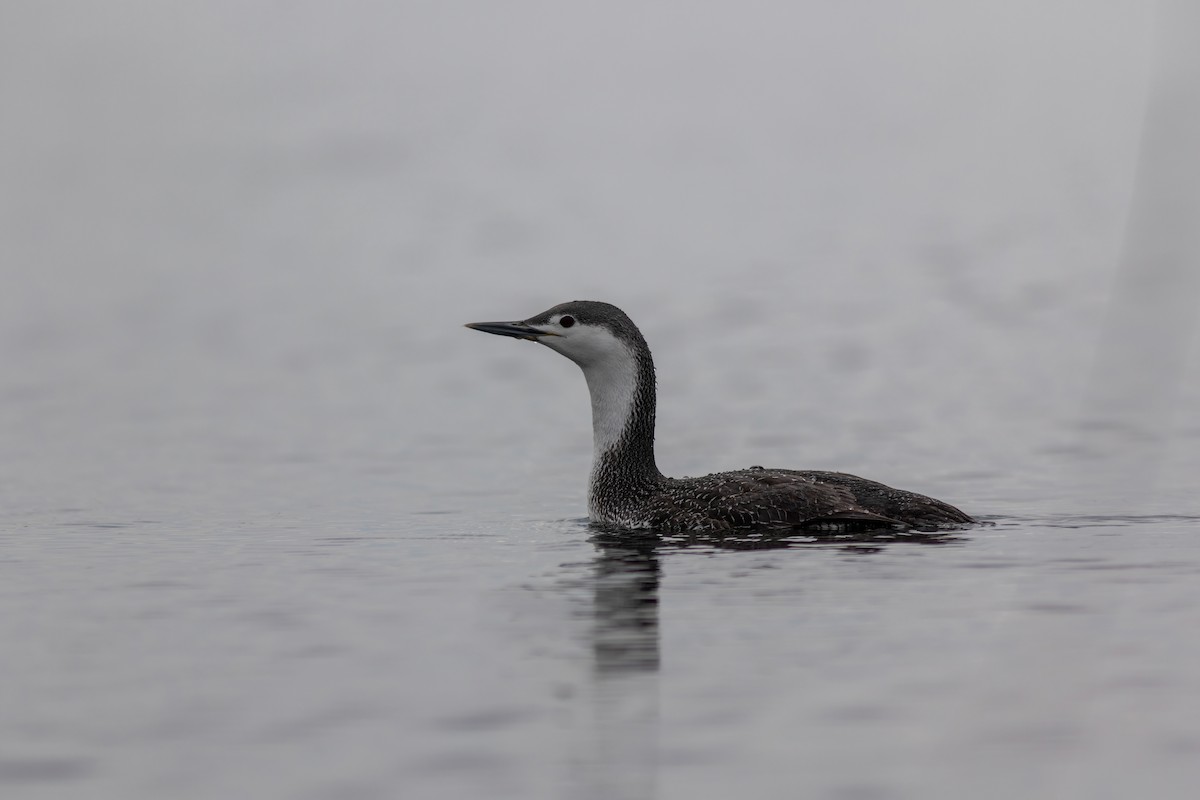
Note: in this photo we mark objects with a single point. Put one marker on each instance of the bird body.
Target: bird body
(626, 488)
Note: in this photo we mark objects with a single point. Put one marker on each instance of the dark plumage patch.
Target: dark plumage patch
(802, 499)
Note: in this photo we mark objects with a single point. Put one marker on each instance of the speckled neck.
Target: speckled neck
(624, 472)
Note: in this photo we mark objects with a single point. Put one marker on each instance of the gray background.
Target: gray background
(274, 525)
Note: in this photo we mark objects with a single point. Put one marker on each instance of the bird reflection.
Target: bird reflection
(626, 580)
(619, 754)
(627, 573)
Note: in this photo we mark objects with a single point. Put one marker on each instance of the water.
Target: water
(273, 525)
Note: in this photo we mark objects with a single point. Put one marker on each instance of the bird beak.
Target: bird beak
(517, 330)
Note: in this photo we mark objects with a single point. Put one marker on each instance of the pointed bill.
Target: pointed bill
(517, 330)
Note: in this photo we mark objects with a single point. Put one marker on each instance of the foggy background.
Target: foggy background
(944, 245)
(884, 198)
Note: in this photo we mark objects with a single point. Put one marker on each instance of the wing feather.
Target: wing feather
(788, 498)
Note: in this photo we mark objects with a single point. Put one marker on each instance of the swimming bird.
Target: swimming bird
(627, 490)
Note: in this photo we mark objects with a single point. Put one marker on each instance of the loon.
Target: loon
(626, 490)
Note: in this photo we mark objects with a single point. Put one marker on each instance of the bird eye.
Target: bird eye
(566, 320)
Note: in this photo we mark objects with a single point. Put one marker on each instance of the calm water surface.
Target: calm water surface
(390, 623)
(448, 655)
(273, 525)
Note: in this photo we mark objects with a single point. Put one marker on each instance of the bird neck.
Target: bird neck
(623, 401)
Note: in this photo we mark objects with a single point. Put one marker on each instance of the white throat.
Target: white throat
(612, 381)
